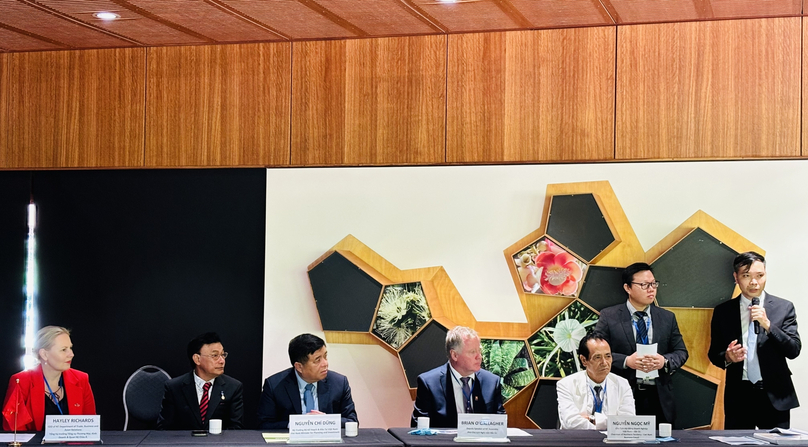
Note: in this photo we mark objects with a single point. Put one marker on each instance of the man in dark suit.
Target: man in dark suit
(752, 335)
(191, 400)
(459, 386)
(639, 321)
(308, 387)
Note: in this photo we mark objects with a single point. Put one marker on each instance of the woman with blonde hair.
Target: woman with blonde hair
(53, 387)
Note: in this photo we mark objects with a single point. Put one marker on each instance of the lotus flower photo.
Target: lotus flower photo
(402, 312)
(555, 346)
(510, 360)
(546, 268)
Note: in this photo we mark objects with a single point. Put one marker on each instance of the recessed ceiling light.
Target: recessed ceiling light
(106, 15)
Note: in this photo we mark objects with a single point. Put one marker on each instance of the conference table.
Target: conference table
(394, 437)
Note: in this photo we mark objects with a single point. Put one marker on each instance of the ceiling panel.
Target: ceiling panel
(37, 25)
(562, 14)
(43, 23)
(293, 18)
(469, 16)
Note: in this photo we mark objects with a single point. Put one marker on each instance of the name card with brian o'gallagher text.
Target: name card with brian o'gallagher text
(315, 428)
(72, 428)
(488, 427)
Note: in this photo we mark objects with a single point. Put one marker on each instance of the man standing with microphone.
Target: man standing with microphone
(752, 335)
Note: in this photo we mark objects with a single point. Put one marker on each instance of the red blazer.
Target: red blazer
(32, 395)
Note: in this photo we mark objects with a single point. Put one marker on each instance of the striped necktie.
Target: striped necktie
(203, 403)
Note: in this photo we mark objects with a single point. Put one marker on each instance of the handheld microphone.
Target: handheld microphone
(755, 302)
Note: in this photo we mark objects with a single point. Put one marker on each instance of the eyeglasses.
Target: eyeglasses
(646, 285)
(214, 357)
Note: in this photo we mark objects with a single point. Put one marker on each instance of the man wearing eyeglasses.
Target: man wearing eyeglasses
(639, 321)
(191, 400)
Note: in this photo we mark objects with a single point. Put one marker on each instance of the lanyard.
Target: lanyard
(467, 397)
(53, 395)
(647, 328)
(595, 407)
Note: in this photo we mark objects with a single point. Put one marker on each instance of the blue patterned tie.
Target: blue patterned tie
(467, 395)
(642, 330)
(308, 398)
(752, 367)
(598, 407)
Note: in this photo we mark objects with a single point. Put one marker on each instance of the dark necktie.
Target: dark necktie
(203, 403)
(466, 395)
(642, 330)
(598, 408)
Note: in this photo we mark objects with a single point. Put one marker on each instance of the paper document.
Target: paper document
(647, 350)
(739, 440)
(5, 438)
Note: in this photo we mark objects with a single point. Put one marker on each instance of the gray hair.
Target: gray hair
(46, 337)
(456, 338)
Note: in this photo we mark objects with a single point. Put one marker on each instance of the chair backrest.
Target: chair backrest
(143, 394)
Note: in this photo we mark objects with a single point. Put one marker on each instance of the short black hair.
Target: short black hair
(633, 269)
(195, 345)
(745, 260)
(302, 346)
(583, 349)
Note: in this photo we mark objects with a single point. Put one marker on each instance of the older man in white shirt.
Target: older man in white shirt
(586, 398)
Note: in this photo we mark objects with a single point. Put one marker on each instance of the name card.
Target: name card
(631, 428)
(486, 427)
(315, 428)
(72, 428)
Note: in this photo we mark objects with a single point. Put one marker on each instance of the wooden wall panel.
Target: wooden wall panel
(804, 91)
(3, 108)
(531, 96)
(709, 89)
(369, 101)
(222, 105)
(71, 109)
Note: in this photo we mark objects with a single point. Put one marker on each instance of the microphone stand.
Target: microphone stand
(16, 443)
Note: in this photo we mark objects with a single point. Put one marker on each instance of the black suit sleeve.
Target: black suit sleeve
(424, 403)
(720, 336)
(677, 355)
(347, 404)
(237, 408)
(604, 326)
(268, 417)
(168, 410)
(786, 335)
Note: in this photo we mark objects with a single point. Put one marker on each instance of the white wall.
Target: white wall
(463, 218)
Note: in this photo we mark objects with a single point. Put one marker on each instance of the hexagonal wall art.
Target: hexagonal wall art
(603, 287)
(544, 267)
(695, 272)
(423, 352)
(578, 222)
(555, 345)
(694, 399)
(402, 312)
(345, 295)
(510, 360)
(543, 409)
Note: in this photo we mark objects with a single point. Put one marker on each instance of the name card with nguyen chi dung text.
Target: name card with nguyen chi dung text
(72, 428)
(315, 428)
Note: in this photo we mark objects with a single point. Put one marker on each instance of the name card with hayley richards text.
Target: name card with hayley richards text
(72, 428)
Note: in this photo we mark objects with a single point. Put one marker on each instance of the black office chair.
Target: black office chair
(143, 395)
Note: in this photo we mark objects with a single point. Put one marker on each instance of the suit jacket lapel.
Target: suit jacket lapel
(38, 405)
(628, 326)
(447, 385)
(189, 391)
(323, 402)
(215, 396)
(72, 389)
(657, 324)
(290, 384)
(477, 398)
